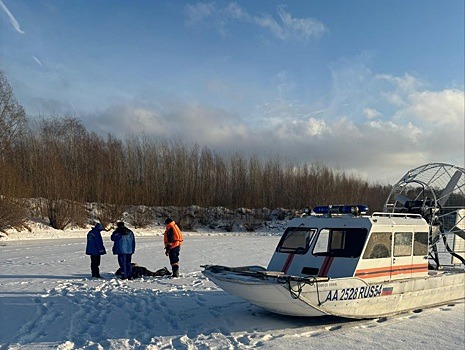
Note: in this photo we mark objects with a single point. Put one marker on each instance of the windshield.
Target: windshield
(296, 240)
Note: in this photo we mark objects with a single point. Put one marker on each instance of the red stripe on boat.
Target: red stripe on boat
(288, 262)
(325, 266)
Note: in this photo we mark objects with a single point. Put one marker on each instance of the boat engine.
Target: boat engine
(436, 191)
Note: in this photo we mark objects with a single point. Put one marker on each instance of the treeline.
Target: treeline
(62, 160)
(56, 158)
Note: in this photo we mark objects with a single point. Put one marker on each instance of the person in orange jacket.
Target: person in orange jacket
(173, 240)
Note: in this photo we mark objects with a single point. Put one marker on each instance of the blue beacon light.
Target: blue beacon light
(341, 209)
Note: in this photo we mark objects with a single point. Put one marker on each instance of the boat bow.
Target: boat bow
(271, 290)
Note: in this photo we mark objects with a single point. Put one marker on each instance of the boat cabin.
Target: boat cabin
(342, 242)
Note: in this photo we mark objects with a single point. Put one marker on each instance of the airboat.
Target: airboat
(338, 260)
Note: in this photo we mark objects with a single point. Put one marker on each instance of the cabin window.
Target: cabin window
(346, 243)
(402, 243)
(296, 240)
(420, 244)
(379, 246)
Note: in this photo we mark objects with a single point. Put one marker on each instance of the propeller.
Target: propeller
(447, 191)
(402, 199)
(445, 194)
(439, 182)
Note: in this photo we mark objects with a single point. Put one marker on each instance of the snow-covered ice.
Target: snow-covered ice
(48, 301)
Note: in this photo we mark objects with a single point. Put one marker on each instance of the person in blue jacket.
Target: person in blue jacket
(124, 246)
(95, 249)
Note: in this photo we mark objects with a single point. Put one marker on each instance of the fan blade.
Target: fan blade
(446, 192)
(402, 199)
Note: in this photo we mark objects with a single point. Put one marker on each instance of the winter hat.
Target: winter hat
(168, 220)
(98, 226)
(120, 224)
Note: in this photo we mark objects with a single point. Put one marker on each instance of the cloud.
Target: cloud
(406, 83)
(198, 12)
(441, 108)
(401, 87)
(289, 27)
(371, 113)
(37, 60)
(13, 21)
(192, 123)
(284, 27)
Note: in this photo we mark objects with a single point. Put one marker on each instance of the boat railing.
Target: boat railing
(396, 215)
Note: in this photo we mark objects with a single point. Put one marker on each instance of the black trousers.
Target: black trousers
(174, 260)
(94, 265)
(174, 255)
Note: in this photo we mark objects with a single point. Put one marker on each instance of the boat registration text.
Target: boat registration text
(355, 293)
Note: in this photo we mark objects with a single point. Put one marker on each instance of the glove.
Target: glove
(167, 249)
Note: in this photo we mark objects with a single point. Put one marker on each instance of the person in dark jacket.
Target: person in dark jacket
(173, 240)
(95, 249)
(124, 246)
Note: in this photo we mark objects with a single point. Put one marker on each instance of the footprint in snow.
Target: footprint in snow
(366, 326)
(316, 334)
(200, 302)
(308, 334)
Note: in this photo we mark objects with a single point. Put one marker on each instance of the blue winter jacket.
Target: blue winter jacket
(124, 242)
(95, 242)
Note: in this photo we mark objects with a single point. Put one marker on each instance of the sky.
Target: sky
(372, 87)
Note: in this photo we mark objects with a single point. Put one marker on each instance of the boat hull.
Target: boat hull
(344, 297)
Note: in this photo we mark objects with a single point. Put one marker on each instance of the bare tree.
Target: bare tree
(110, 214)
(13, 214)
(13, 121)
(63, 213)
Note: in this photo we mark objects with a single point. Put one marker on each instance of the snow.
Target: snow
(49, 301)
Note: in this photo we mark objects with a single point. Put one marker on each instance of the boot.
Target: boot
(175, 271)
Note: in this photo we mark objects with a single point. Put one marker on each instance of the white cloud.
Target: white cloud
(291, 27)
(284, 84)
(371, 113)
(400, 88)
(406, 83)
(37, 60)
(198, 12)
(191, 123)
(13, 20)
(234, 11)
(284, 27)
(441, 108)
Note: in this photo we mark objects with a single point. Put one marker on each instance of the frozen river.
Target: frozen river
(47, 300)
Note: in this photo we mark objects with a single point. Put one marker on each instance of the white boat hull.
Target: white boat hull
(344, 297)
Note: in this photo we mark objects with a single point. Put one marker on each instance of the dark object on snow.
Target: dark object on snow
(139, 271)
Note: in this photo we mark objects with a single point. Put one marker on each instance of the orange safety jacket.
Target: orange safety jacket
(176, 238)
